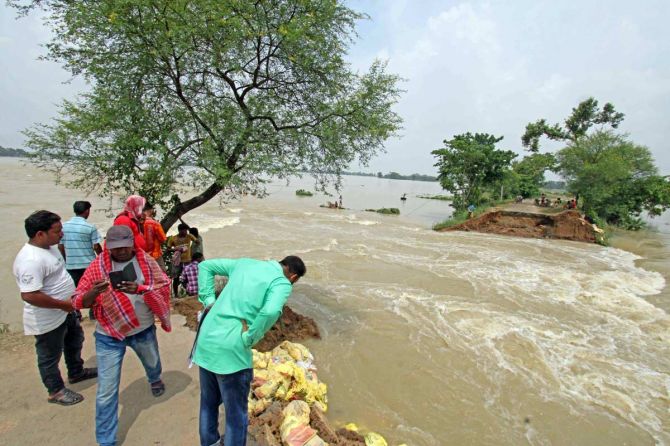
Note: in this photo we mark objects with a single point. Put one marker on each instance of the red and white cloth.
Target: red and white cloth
(113, 310)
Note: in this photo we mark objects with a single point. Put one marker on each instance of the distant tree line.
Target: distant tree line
(18, 153)
(393, 176)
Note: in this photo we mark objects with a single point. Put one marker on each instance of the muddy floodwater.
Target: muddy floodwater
(441, 338)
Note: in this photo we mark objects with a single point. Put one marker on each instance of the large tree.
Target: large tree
(582, 118)
(527, 175)
(189, 99)
(616, 178)
(469, 164)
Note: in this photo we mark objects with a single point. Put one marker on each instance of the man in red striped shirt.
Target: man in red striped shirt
(125, 315)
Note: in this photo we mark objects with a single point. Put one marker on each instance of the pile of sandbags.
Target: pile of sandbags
(286, 373)
(295, 428)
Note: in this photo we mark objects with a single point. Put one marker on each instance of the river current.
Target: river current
(441, 338)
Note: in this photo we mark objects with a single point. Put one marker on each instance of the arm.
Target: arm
(206, 272)
(61, 248)
(95, 241)
(88, 290)
(39, 299)
(160, 234)
(194, 239)
(276, 298)
(149, 234)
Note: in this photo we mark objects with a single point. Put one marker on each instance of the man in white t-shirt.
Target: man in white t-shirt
(46, 289)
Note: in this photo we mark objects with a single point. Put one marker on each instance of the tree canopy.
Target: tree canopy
(615, 178)
(582, 118)
(204, 97)
(468, 164)
(527, 175)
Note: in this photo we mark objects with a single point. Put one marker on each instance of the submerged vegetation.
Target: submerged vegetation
(387, 211)
(303, 193)
(435, 197)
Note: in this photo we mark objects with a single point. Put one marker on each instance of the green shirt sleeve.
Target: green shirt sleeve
(206, 272)
(270, 312)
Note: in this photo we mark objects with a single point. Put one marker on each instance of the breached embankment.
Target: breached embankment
(265, 424)
(566, 225)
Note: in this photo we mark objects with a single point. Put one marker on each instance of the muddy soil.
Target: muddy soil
(291, 326)
(567, 225)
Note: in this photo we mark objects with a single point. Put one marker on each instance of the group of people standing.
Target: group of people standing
(66, 267)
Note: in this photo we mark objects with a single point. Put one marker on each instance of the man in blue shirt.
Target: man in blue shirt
(80, 243)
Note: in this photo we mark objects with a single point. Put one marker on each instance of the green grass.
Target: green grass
(303, 193)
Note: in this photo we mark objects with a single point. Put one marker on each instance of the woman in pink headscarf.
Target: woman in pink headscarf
(132, 216)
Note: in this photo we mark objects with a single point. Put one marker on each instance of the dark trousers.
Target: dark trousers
(66, 339)
(233, 391)
(76, 275)
(176, 272)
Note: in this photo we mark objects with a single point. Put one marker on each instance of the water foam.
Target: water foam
(568, 320)
(205, 223)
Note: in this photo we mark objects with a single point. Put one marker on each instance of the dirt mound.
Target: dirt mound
(567, 225)
(291, 326)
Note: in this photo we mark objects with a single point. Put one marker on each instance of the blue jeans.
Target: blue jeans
(233, 391)
(109, 354)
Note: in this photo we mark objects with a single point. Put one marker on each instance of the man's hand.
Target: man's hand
(128, 287)
(98, 287)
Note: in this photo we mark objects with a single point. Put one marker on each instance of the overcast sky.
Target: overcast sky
(480, 66)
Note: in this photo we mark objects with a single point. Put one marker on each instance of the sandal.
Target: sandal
(84, 375)
(66, 397)
(158, 388)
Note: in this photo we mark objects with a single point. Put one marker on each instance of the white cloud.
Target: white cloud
(494, 67)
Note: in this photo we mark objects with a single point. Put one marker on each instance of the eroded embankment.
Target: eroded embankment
(264, 427)
(567, 225)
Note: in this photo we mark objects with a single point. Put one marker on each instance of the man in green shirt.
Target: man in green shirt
(246, 309)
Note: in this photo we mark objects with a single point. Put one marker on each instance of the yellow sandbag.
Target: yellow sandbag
(258, 406)
(287, 369)
(298, 409)
(260, 360)
(280, 393)
(295, 430)
(268, 389)
(261, 376)
(279, 356)
(351, 427)
(297, 351)
(374, 439)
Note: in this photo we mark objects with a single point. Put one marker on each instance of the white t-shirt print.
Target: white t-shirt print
(39, 269)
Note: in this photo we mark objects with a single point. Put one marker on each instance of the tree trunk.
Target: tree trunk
(182, 208)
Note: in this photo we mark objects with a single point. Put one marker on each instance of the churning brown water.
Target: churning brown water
(442, 338)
